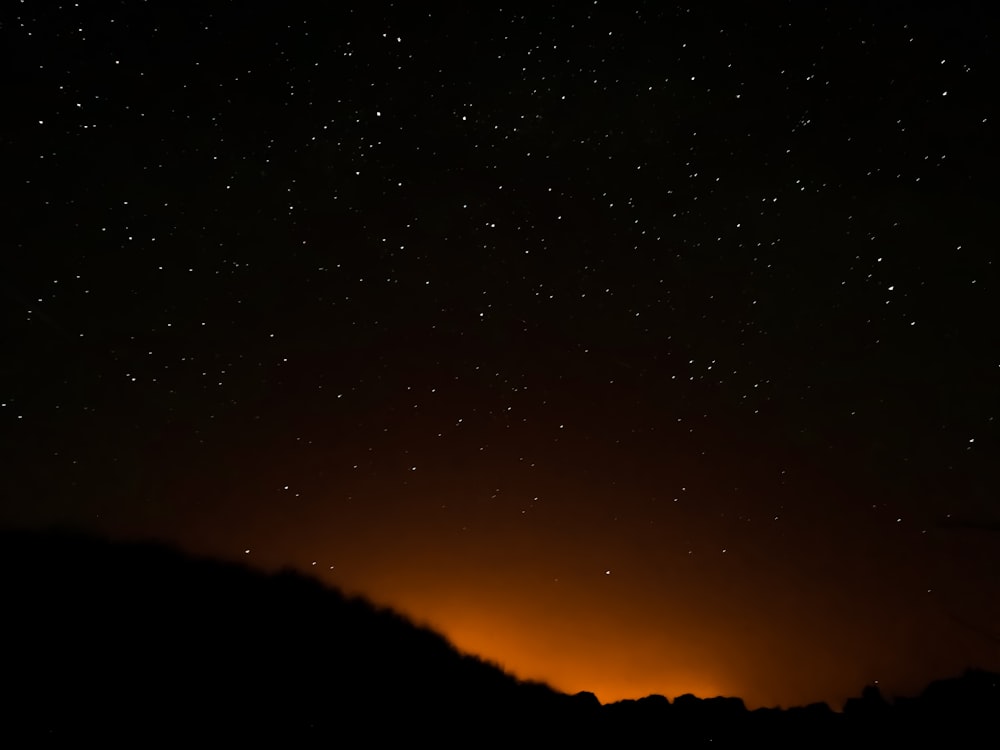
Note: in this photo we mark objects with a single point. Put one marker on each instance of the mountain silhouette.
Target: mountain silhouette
(127, 642)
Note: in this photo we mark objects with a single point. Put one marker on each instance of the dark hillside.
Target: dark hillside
(138, 643)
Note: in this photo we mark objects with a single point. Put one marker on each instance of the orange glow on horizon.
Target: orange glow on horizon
(531, 654)
(580, 648)
(543, 606)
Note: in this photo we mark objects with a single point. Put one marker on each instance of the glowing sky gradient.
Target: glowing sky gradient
(643, 349)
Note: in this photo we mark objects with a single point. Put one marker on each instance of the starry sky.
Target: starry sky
(637, 347)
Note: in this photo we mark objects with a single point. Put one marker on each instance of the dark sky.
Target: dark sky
(638, 347)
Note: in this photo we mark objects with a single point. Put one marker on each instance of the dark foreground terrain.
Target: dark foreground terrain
(128, 643)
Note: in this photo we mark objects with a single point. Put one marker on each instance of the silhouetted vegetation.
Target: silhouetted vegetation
(138, 643)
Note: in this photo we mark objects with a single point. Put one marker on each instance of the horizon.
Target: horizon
(519, 652)
(189, 556)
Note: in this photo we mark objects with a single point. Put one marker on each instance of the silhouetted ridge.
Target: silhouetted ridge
(126, 637)
(140, 644)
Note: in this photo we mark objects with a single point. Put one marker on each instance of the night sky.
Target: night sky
(637, 347)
